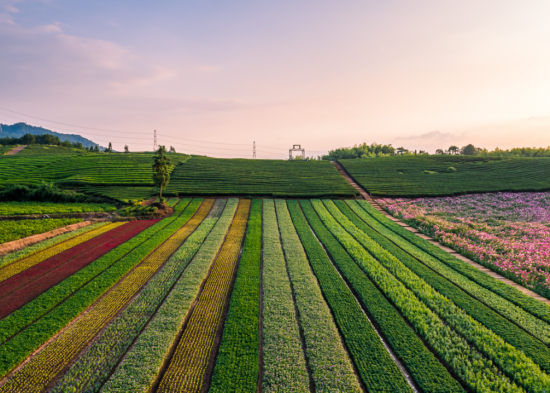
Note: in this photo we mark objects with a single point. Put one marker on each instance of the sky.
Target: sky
(212, 77)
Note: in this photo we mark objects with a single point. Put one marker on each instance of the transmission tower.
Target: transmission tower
(155, 146)
(254, 150)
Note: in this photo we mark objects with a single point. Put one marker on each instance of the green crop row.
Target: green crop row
(330, 366)
(363, 344)
(237, 364)
(533, 306)
(14, 230)
(449, 283)
(93, 367)
(17, 255)
(133, 374)
(126, 257)
(18, 208)
(284, 361)
(470, 365)
(512, 361)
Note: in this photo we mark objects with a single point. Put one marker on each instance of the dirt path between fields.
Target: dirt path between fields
(491, 273)
(17, 245)
(16, 150)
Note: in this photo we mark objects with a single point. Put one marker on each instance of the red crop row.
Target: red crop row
(69, 263)
(29, 275)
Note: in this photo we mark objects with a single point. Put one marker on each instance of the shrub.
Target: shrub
(451, 169)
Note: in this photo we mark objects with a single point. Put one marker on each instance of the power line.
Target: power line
(71, 125)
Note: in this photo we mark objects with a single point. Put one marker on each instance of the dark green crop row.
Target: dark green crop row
(237, 364)
(429, 176)
(213, 176)
(508, 292)
(426, 370)
(126, 257)
(510, 332)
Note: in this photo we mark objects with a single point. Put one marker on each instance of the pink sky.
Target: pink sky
(422, 74)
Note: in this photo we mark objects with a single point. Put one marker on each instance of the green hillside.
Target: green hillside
(129, 176)
(217, 176)
(432, 176)
(116, 175)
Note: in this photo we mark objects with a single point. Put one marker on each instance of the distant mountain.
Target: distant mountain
(17, 130)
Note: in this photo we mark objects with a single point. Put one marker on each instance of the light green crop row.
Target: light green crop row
(284, 363)
(330, 365)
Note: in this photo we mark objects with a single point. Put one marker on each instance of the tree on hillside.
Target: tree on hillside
(401, 150)
(161, 167)
(172, 150)
(469, 150)
(439, 151)
(126, 150)
(110, 148)
(453, 149)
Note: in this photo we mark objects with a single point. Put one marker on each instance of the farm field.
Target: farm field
(236, 295)
(278, 178)
(506, 232)
(14, 230)
(23, 208)
(419, 176)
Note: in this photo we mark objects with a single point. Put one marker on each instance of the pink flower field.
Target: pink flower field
(507, 232)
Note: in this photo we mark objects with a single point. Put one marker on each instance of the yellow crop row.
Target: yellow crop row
(186, 370)
(44, 367)
(25, 263)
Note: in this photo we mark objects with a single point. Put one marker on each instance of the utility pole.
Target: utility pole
(254, 150)
(155, 146)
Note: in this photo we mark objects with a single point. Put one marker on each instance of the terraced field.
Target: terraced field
(239, 295)
(277, 178)
(419, 176)
(117, 175)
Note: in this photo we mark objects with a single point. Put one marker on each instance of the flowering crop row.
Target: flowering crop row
(331, 368)
(237, 364)
(37, 373)
(284, 361)
(91, 370)
(55, 308)
(428, 373)
(38, 247)
(508, 292)
(472, 367)
(510, 360)
(25, 263)
(188, 365)
(33, 283)
(509, 331)
(155, 342)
